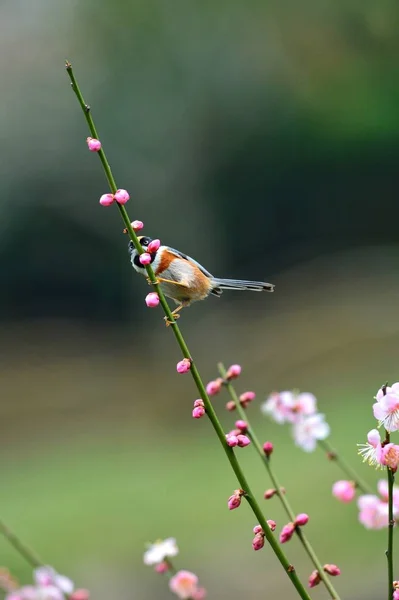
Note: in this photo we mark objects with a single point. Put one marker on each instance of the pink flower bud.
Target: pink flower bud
(272, 524)
(231, 440)
(396, 595)
(233, 372)
(152, 300)
(80, 594)
(235, 500)
(301, 519)
(199, 402)
(258, 542)
(137, 225)
(314, 579)
(332, 570)
(198, 412)
(344, 490)
(121, 196)
(287, 532)
(268, 448)
(241, 425)
(145, 259)
(162, 567)
(230, 405)
(246, 398)
(153, 246)
(257, 529)
(269, 493)
(214, 387)
(106, 199)
(93, 144)
(183, 366)
(243, 441)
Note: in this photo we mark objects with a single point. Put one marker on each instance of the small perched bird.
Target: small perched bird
(183, 279)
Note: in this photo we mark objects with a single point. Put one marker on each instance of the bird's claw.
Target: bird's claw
(168, 322)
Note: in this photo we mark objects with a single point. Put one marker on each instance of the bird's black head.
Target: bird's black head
(144, 241)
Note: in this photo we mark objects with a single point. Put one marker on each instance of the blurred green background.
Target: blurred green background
(262, 138)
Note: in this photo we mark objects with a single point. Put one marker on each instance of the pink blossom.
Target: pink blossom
(231, 405)
(137, 225)
(153, 246)
(379, 454)
(107, 199)
(308, 430)
(373, 512)
(289, 406)
(301, 519)
(233, 372)
(257, 529)
(183, 366)
(243, 440)
(344, 490)
(272, 524)
(121, 196)
(145, 259)
(386, 409)
(184, 584)
(268, 448)
(314, 579)
(259, 541)
(214, 387)
(396, 595)
(152, 300)
(332, 570)
(94, 145)
(287, 532)
(46, 576)
(235, 500)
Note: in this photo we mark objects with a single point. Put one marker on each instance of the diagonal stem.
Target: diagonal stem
(289, 569)
(19, 546)
(280, 493)
(347, 469)
(391, 523)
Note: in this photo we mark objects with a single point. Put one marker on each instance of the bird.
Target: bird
(185, 280)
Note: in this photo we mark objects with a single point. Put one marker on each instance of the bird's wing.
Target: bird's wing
(186, 257)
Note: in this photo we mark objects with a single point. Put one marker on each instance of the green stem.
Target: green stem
(280, 493)
(391, 524)
(19, 546)
(289, 569)
(347, 469)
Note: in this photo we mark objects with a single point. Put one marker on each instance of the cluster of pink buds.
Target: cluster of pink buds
(121, 197)
(259, 540)
(145, 258)
(237, 438)
(314, 578)
(288, 530)
(245, 399)
(199, 409)
(235, 499)
(183, 366)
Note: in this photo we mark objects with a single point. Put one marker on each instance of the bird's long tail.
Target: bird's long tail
(242, 284)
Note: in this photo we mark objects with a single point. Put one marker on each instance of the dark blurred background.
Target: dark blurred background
(262, 138)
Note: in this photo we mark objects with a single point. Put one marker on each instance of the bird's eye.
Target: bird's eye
(145, 241)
